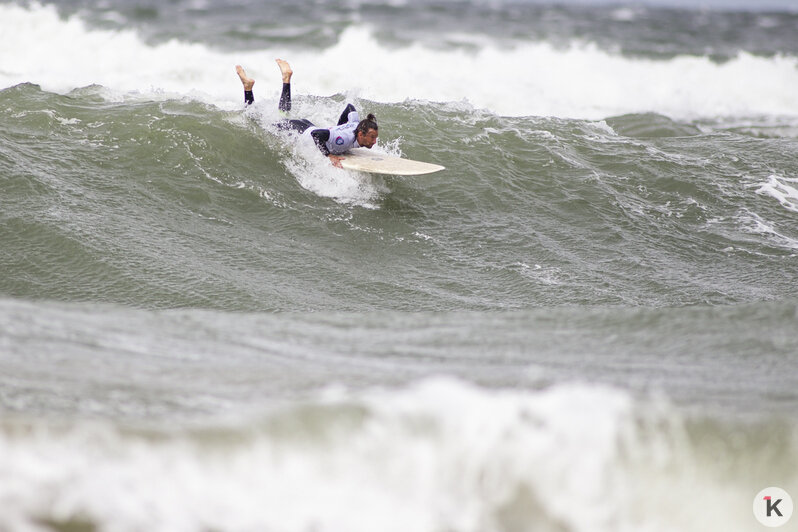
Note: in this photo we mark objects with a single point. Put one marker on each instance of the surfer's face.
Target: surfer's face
(367, 140)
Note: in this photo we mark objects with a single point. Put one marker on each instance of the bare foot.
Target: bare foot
(247, 82)
(285, 70)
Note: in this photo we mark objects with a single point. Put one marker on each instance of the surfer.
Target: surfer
(350, 132)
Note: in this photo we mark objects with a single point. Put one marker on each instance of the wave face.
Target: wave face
(585, 323)
(173, 203)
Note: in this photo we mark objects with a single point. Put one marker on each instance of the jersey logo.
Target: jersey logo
(339, 141)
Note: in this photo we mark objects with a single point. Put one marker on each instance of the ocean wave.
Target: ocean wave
(173, 202)
(103, 361)
(527, 78)
(439, 454)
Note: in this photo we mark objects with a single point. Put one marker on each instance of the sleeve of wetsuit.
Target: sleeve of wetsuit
(345, 115)
(320, 137)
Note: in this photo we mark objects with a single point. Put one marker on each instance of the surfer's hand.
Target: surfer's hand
(335, 160)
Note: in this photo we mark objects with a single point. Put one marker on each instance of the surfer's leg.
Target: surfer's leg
(319, 136)
(247, 82)
(285, 97)
(300, 126)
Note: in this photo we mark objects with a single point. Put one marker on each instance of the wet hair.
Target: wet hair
(370, 122)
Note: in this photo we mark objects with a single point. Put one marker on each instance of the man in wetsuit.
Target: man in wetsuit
(351, 132)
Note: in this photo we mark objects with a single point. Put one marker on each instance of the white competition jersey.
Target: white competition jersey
(342, 138)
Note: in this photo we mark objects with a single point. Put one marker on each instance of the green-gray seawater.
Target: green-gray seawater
(585, 323)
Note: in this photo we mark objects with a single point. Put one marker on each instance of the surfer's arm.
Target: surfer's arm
(320, 137)
(346, 116)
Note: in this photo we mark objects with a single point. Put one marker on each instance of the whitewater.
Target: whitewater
(510, 79)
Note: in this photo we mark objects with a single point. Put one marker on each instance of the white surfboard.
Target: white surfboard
(364, 160)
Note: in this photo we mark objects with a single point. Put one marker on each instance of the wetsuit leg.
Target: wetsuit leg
(300, 126)
(345, 115)
(319, 136)
(285, 98)
(248, 97)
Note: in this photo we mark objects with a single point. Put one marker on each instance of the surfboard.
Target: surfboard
(364, 160)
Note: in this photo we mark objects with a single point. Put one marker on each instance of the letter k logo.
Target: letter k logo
(772, 506)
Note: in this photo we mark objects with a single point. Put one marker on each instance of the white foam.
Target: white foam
(778, 188)
(532, 78)
(754, 224)
(315, 173)
(440, 455)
